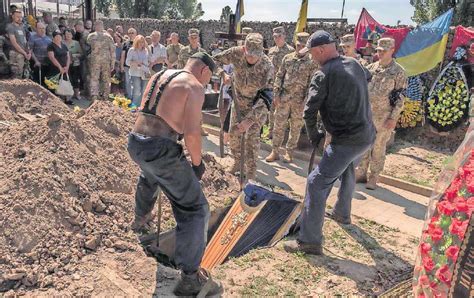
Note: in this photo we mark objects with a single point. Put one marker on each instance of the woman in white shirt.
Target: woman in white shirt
(137, 59)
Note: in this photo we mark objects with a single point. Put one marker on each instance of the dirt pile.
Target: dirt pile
(67, 190)
(24, 96)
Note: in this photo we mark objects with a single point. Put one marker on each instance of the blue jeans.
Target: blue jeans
(138, 86)
(128, 83)
(338, 161)
(164, 166)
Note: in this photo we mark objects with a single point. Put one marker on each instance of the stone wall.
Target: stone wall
(208, 28)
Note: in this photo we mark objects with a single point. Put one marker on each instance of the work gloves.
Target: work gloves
(199, 170)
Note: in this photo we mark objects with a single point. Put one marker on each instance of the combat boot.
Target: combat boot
(288, 157)
(274, 156)
(372, 182)
(360, 176)
(198, 284)
(293, 246)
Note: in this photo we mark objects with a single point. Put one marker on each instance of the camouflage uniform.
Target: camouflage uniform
(276, 55)
(102, 59)
(384, 80)
(172, 52)
(248, 79)
(17, 60)
(187, 51)
(349, 40)
(50, 28)
(291, 85)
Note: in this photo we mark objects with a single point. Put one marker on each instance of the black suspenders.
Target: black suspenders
(162, 87)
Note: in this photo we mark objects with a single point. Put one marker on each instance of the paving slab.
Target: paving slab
(387, 205)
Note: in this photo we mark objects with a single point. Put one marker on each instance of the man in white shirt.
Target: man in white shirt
(157, 52)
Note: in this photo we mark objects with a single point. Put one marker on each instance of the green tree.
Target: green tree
(226, 12)
(427, 10)
(159, 9)
(103, 6)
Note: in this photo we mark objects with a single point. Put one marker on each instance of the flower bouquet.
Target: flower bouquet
(115, 80)
(449, 99)
(122, 102)
(444, 233)
(52, 82)
(412, 113)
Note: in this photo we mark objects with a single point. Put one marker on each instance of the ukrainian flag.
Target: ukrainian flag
(239, 12)
(302, 18)
(424, 47)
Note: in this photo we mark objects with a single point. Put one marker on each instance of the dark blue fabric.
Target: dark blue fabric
(254, 195)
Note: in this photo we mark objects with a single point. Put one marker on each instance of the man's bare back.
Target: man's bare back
(181, 102)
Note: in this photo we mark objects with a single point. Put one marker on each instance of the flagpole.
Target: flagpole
(343, 4)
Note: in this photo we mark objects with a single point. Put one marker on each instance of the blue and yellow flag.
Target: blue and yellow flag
(302, 18)
(239, 12)
(424, 47)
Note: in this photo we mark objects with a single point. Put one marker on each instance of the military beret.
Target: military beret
(206, 59)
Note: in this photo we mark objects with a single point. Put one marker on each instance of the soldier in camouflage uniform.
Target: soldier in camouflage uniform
(348, 47)
(192, 48)
(102, 60)
(387, 75)
(19, 53)
(290, 89)
(172, 51)
(276, 54)
(253, 71)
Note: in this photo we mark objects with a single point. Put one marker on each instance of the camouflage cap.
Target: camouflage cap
(385, 43)
(347, 40)
(193, 31)
(247, 30)
(302, 38)
(279, 30)
(254, 44)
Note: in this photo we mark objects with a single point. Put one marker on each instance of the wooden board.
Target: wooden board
(234, 225)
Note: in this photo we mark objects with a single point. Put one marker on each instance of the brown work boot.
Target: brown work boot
(372, 182)
(141, 224)
(288, 157)
(293, 246)
(360, 176)
(198, 284)
(273, 156)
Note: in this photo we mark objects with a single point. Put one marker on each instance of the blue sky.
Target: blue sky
(384, 11)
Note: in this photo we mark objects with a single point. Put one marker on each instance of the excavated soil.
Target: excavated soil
(24, 96)
(67, 188)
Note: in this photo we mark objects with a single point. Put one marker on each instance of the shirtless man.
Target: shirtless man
(165, 114)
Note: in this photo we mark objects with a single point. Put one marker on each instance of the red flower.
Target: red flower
(435, 233)
(443, 274)
(428, 263)
(424, 281)
(446, 208)
(425, 248)
(458, 228)
(470, 205)
(434, 223)
(452, 252)
(460, 205)
(453, 189)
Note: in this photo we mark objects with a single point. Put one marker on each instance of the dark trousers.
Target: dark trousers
(338, 161)
(164, 166)
(35, 73)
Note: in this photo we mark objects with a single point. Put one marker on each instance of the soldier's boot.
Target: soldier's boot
(294, 246)
(360, 176)
(372, 182)
(288, 157)
(273, 156)
(141, 224)
(199, 284)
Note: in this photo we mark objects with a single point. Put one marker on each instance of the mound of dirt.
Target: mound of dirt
(67, 190)
(24, 96)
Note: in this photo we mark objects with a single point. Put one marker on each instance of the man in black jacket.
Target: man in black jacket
(338, 91)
